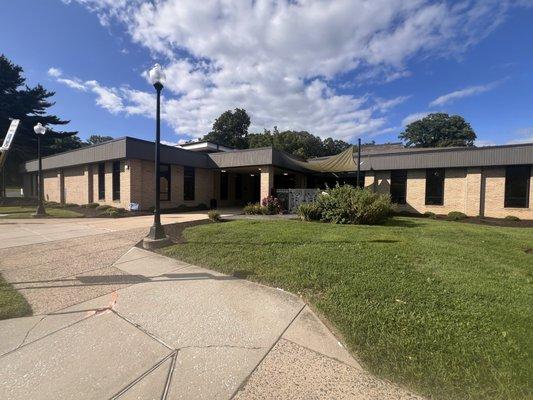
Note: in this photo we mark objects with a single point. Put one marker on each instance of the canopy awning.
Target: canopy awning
(342, 162)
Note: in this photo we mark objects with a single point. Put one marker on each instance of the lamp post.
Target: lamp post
(157, 77)
(40, 130)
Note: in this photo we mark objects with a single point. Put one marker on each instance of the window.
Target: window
(116, 180)
(101, 181)
(188, 183)
(517, 186)
(224, 186)
(164, 182)
(238, 186)
(398, 186)
(435, 187)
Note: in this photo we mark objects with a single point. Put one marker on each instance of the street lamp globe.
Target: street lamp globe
(157, 75)
(39, 129)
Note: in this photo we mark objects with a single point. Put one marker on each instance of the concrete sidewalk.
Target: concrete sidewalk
(180, 332)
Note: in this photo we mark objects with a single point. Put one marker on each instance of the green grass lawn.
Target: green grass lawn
(444, 308)
(12, 303)
(26, 212)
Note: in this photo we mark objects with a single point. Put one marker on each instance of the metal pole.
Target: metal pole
(358, 160)
(40, 204)
(157, 231)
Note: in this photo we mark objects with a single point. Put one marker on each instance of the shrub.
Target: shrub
(348, 205)
(103, 207)
(52, 204)
(512, 218)
(429, 214)
(214, 215)
(309, 212)
(456, 216)
(92, 205)
(112, 212)
(202, 206)
(254, 209)
(70, 205)
(272, 205)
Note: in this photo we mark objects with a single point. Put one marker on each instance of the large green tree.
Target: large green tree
(230, 129)
(299, 143)
(439, 130)
(96, 139)
(29, 104)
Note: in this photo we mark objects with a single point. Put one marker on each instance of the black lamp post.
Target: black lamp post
(157, 77)
(40, 212)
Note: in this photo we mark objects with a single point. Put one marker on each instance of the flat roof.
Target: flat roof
(388, 158)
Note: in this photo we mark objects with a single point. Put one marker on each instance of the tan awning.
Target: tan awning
(342, 162)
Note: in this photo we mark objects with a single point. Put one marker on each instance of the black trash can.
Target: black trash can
(213, 204)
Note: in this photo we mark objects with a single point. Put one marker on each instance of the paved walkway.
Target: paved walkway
(177, 331)
(21, 232)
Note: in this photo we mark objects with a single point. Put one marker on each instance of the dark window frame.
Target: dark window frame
(101, 181)
(398, 186)
(517, 175)
(224, 185)
(435, 186)
(115, 181)
(165, 182)
(238, 186)
(189, 184)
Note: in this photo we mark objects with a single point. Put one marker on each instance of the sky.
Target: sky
(345, 69)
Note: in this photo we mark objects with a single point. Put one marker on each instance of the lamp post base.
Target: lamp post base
(156, 238)
(40, 212)
(153, 244)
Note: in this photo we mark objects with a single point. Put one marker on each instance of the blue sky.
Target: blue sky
(345, 69)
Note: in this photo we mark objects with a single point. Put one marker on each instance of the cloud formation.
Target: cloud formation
(281, 60)
(466, 92)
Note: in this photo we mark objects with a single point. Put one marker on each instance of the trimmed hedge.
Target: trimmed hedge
(456, 216)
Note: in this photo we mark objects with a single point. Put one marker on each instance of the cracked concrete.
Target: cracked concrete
(176, 331)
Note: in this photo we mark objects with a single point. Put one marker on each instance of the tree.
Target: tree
(439, 130)
(230, 129)
(299, 143)
(19, 101)
(95, 139)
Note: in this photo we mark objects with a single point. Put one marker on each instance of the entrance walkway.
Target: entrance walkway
(177, 331)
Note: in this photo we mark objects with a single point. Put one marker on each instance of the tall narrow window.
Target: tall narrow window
(188, 183)
(224, 181)
(101, 181)
(164, 183)
(116, 180)
(435, 186)
(517, 186)
(238, 186)
(398, 186)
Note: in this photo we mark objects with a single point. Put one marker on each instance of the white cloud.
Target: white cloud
(484, 143)
(280, 59)
(525, 135)
(466, 92)
(73, 84)
(54, 72)
(414, 117)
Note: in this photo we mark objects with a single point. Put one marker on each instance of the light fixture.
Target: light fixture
(157, 75)
(285, 173)
(39, 129)
(252, 174)
(223, 171)
(259, 169)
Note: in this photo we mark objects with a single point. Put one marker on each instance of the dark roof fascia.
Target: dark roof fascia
(456, 157)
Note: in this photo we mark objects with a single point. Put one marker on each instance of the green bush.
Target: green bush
(103, 207)
(348, 205)
(111, 212)
(254, 209)
(214, 215)
(70, 205)
(512, 218)
(309, 212)
(202, 206)
(456, 216)
(92, 205)
(52, 204)
(429, 214)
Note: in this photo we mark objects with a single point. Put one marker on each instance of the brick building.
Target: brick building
(489, 181)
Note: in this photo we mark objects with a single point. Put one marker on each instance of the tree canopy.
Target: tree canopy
(230, 129)
(29, 104)
(95, 139)
(439, 130)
